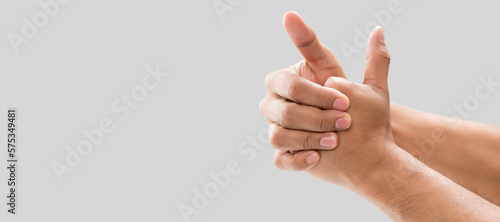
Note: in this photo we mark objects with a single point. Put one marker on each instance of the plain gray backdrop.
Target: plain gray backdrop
(65, 78)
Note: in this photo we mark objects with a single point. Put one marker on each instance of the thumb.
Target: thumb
(377, 67)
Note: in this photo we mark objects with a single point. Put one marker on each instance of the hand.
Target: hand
(367, 160)
(299, 110)
(369, 142)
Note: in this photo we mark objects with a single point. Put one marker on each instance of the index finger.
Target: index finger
(321, 60)
(302, 91)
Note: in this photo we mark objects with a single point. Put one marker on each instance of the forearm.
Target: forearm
(464, 151)
(407, 190)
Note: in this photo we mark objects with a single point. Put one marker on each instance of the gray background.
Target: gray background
(65, 78)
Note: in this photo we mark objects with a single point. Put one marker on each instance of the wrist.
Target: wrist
(396, 166)
(376, 174)
(390, 184)
(399, 124)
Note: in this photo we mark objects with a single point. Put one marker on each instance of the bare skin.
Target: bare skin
(370, 159)
(464, 151)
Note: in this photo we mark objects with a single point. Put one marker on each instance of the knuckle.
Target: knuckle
(326, 97)
(340, 84)
(308, 142)
(349, 87)
(262, 106)
(287, 116)
(320, 124)
(294, 69)
(276, 138)
(384, 54)
(323, 123)
(293, 89)
(330, 82)
(278, 162)
(269, 80)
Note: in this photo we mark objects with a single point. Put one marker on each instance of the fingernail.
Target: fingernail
(381, 37)
(342, 123)
(340, 104)
(328, 141)
(311, 158)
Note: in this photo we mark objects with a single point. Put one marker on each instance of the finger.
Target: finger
(297, 140)
(291, 115)
(342, 85)
(377, 67)
(302, 91)
(296, 162)
(318, 56)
